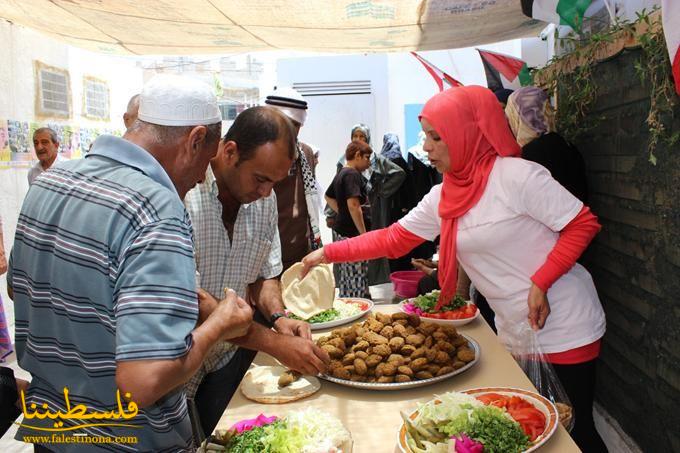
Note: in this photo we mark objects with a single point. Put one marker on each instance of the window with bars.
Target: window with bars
(54, 91)
(95, 99)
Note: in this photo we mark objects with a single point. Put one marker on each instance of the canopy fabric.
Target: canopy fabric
(168, 27)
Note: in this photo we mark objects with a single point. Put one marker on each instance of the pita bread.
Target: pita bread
(311, 295)
(261, 384)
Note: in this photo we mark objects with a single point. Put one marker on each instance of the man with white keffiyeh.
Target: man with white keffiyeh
(297, 195)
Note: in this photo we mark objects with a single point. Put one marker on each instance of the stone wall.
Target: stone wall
(635, 260)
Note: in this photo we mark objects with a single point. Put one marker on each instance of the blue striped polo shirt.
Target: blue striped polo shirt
(102, 271)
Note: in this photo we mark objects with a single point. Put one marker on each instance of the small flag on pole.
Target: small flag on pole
(670, 15)
(504, 71)
(437, 74)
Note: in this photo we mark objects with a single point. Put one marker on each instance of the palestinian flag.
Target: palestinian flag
(558, 12)
(504, 71)
(437, 74)
(670, 15)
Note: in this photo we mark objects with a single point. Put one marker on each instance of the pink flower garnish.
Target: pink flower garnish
(247, 425)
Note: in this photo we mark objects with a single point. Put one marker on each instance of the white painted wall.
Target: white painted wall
(397, 79)
(373, 67)
(20, 48)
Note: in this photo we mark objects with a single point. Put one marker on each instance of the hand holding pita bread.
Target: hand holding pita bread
(313, 259)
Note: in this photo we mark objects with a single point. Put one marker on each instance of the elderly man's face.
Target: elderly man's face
(250, 180)
(45, 149)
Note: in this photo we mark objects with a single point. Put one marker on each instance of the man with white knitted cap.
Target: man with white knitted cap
(297, 194)
(107, 242)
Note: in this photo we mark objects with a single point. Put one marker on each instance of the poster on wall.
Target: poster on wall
(69, 142)
(16, 141)
(20, 145)
(5, 152)
(69, 139)
(87, 137)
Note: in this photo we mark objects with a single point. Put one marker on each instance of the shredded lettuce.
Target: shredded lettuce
(305, 431)
(340, 310)
(346, 309)
(452, 405)
(320, 431)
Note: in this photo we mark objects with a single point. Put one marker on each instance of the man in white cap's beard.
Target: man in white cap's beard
(297, 195)
(103, 275)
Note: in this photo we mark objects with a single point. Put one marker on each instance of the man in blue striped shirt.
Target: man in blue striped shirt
(103, 278)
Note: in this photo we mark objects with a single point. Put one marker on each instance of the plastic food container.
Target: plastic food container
(405, 283)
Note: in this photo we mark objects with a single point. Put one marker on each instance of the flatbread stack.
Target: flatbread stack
(261, 384)
(311, 295)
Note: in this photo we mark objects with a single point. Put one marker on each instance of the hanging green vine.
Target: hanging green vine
(570, 77)
(575, 103)
(654, 70)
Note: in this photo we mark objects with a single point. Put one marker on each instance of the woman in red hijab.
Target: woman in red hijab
(515, 231)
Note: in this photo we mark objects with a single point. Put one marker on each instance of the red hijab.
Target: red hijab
(472, 124)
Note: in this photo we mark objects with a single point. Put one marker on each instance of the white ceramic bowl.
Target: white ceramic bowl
(443, 322)
(366, 305)
(540, 402)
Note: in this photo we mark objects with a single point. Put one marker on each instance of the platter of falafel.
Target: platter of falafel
(385, 351)
(397, 351)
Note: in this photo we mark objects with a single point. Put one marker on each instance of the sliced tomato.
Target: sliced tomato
(488, 398)
(461, 313)
(469, 311)
(432, 315)
(530, 419)
(515, 402)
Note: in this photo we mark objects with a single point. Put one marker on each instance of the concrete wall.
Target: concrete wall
(20, 47)
(635, 260)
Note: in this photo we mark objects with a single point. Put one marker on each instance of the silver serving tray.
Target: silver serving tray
(412, 384)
